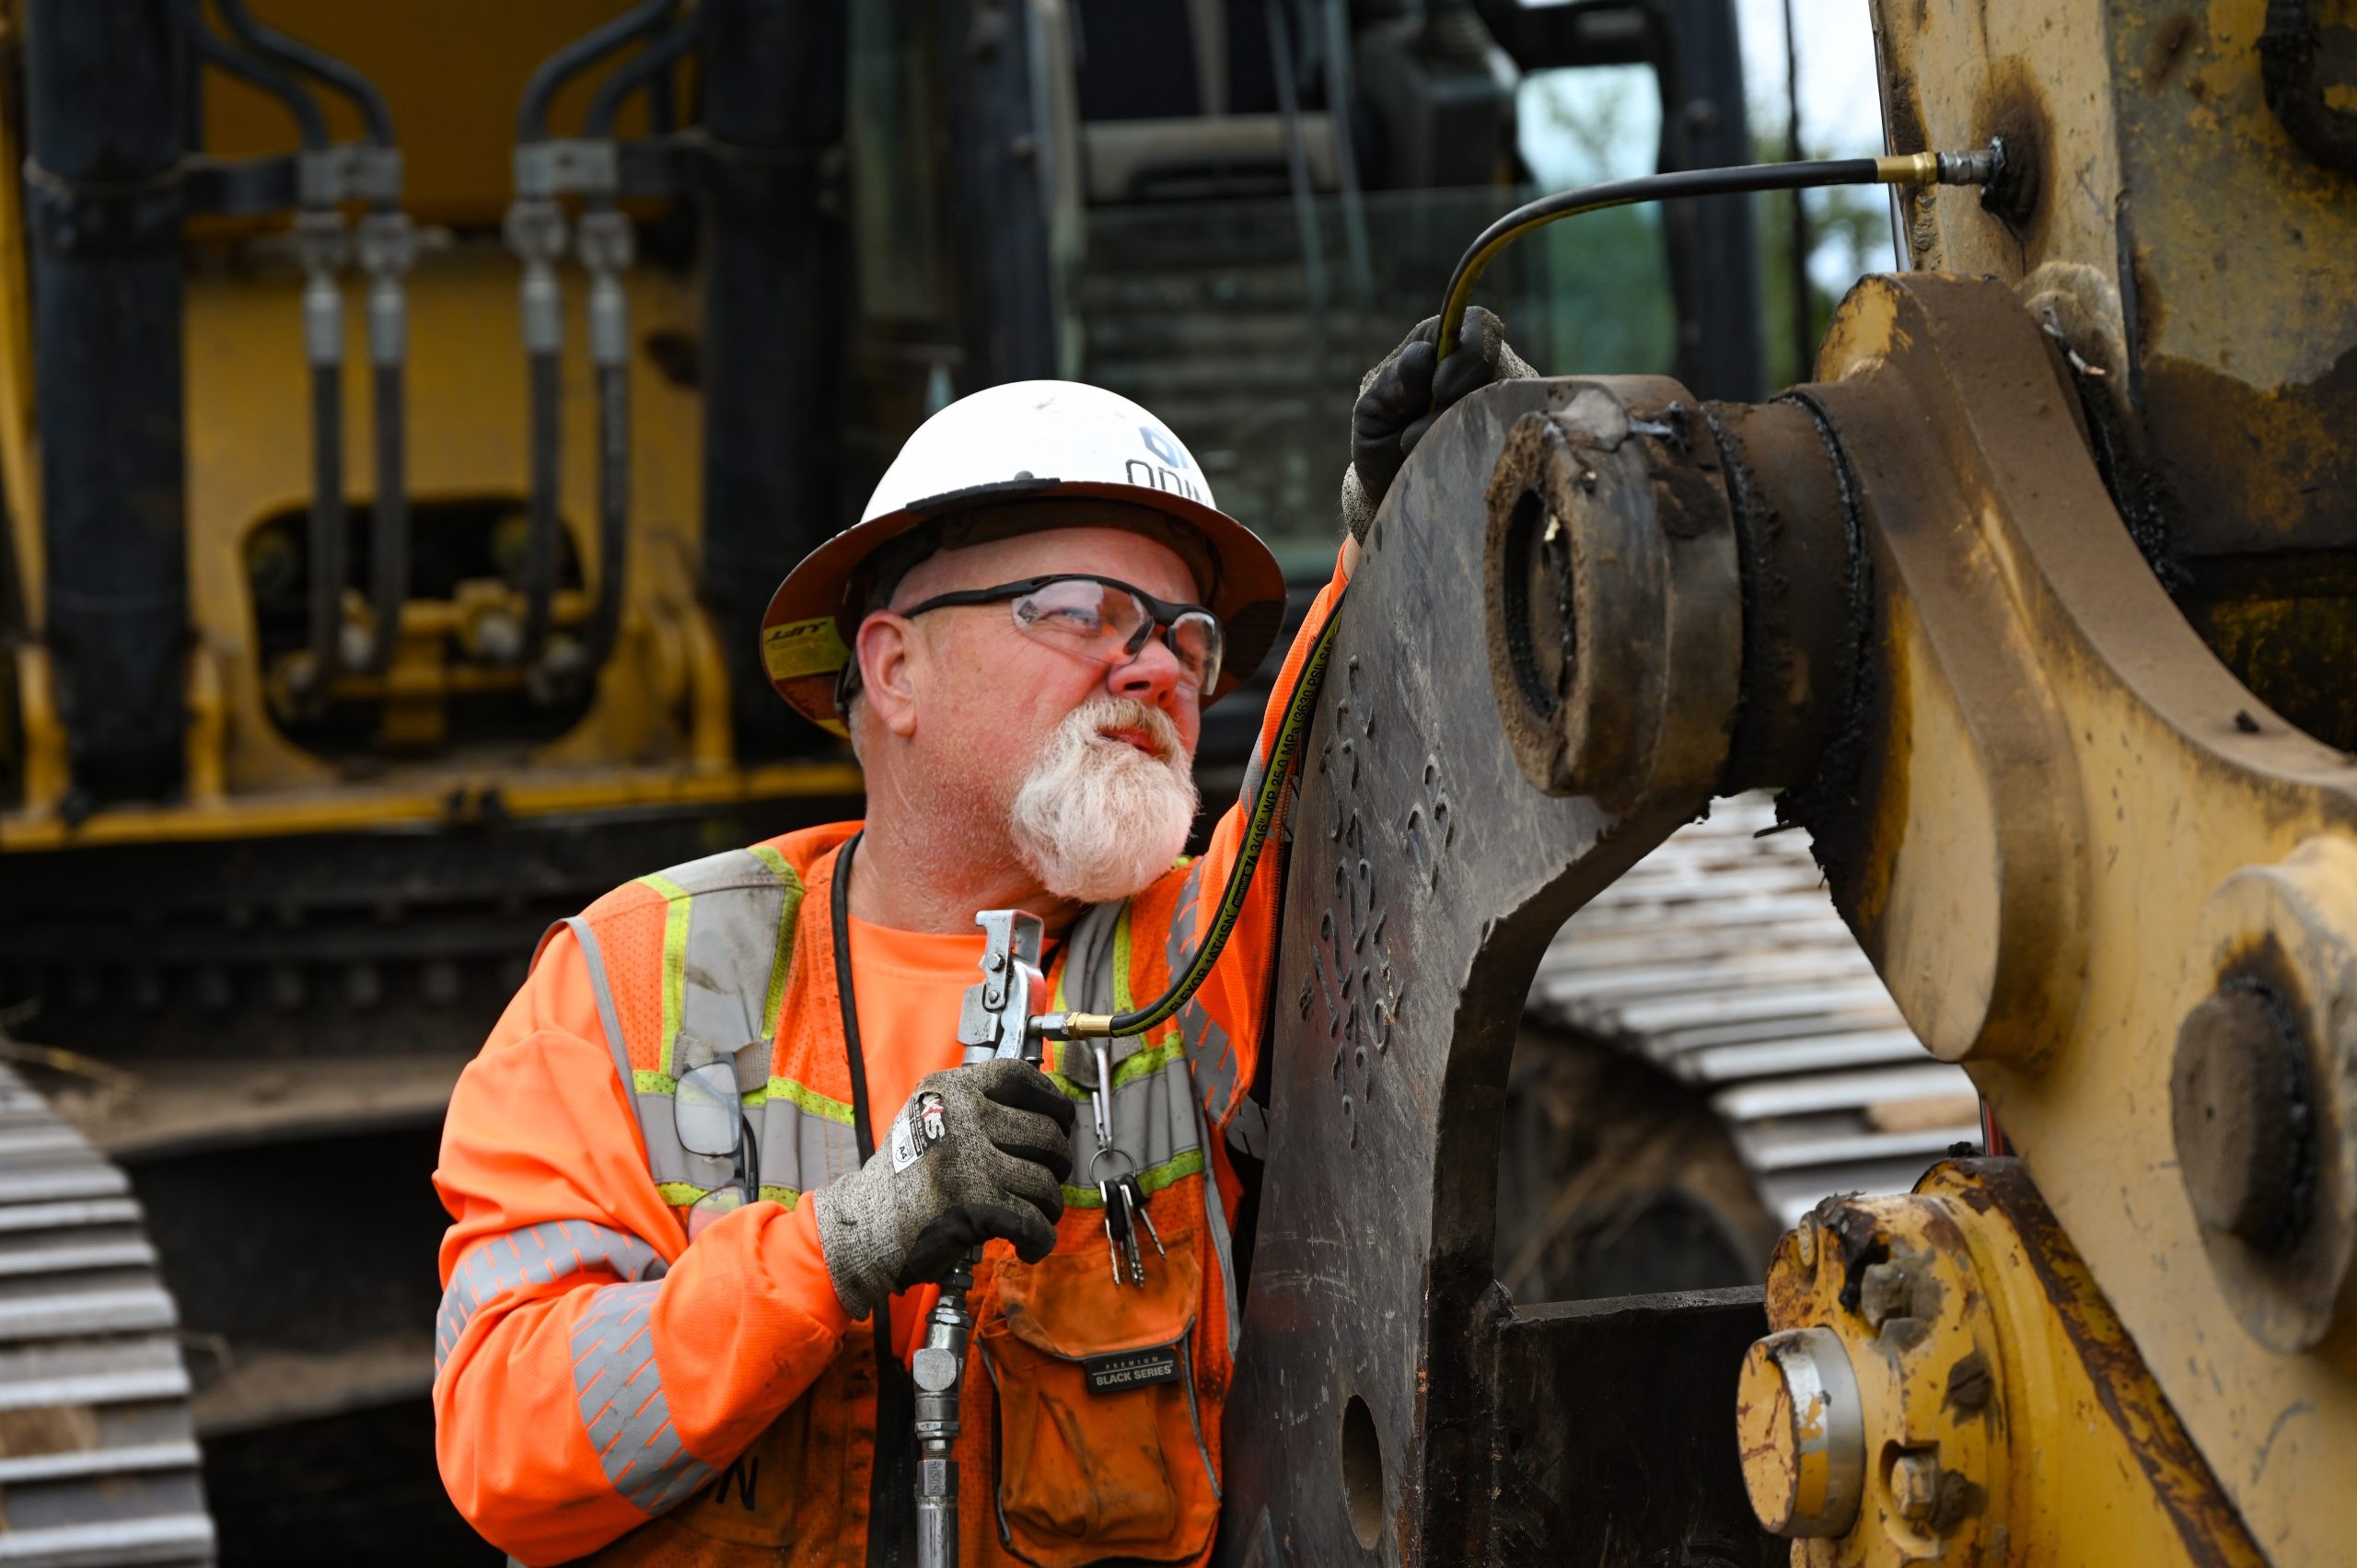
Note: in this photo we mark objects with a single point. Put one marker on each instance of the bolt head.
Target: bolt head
(2238, 1108)
(1915, 1485)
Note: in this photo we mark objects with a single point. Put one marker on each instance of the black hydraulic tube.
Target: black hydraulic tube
(106, 117)
(537, 231)
(2291, 48)
(310, 124)
(605, 245)
(652, 64)
(319, 237)
(389, 529)
(549, 78)
(375, 115)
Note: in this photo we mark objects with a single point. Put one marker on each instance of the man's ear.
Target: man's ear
(887, 648)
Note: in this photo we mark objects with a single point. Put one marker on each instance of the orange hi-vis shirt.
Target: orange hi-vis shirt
(596, 1370)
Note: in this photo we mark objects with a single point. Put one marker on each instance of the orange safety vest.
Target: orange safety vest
(1090, 1418)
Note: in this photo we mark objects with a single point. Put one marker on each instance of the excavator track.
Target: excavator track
(98, 1458)
(1721, 960)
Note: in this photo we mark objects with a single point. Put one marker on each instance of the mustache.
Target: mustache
(1102, 714)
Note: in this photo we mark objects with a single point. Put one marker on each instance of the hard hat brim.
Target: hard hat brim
(806, 629)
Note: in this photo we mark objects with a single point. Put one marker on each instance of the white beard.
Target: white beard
(1097, 819)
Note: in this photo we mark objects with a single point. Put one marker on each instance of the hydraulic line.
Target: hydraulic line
(1898, 168)
(539, 93)
(1291, 732)
(1913, 169)
(388, 248)
(320, 244)
(605, 246)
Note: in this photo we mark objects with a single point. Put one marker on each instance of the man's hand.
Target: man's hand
(977, 1151)
(1401, 397)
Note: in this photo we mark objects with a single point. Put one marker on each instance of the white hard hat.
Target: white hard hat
(1022, 441)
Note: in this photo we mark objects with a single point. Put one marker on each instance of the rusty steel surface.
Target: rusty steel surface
(2070, 825)
(1720, 960)
(1985, 1403)
(1426, 878)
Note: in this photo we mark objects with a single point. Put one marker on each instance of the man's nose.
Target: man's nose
(1155, 676)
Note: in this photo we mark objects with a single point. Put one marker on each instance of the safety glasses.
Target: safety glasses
(1102, 619)
(710, 1121)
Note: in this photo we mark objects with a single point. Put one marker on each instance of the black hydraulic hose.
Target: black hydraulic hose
(296, 56)
(545, 369)
(388, 525)
(322, 310)
(614, 508)
(549, 78)
(650, 64)
(310, 124)
(1292, 731)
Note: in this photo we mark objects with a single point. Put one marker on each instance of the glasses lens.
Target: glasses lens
(1075, 611)
(714, 1206)
(705, 1109)
(1195, 638)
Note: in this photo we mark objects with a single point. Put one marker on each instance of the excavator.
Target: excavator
(402, 411)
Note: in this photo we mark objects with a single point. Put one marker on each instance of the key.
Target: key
(1138, 1210)
(1101, 1095)
(1117, 1224)
(1130, 1234)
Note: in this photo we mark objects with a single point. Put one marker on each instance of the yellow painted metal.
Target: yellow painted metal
(2060, 777)
(452, 798)
(2002, 1414)
(19, 473)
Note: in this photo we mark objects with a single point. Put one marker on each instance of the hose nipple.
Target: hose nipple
(1981, 168)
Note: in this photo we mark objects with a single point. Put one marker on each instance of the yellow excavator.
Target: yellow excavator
(400, 406)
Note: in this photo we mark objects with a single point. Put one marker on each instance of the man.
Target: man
(675, 1173)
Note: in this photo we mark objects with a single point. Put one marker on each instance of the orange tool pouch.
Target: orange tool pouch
(1102, 1450)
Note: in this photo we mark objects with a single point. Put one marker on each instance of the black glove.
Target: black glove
(978, 1153)
(1401, 397)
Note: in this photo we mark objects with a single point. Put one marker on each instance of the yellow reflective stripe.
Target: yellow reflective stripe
(782, 960)
(810, 1100)
(1130, 1069)
(1150, 1182)
(674, 957)
(686, 1194)
(1123, 1001)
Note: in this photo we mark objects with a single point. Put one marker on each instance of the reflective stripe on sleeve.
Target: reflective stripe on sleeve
(534, 1254)
(620, 1390)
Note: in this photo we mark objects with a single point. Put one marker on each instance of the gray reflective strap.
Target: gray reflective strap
(1151, 1123)
(802, 1150)
(732, 947)
(586, 940)
(1209, 1051)
(534, 1254)
(618, 1389)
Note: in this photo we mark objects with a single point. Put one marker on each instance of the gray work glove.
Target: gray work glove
(1401, 397)
(977, 1153)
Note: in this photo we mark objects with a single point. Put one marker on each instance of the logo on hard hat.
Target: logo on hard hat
(1162, 446)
